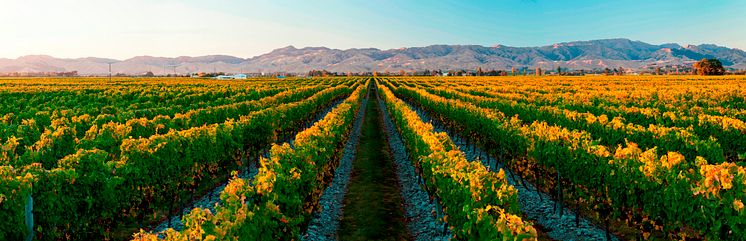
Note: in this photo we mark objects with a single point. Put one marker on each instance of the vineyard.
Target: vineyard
(464, 158)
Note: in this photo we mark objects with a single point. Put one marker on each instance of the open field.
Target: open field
(467, 158)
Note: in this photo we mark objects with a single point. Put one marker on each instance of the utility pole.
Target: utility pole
(173, 66)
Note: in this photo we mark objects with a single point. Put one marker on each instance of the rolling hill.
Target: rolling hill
(594, 54)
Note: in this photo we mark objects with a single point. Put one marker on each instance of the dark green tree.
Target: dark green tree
(709, 67)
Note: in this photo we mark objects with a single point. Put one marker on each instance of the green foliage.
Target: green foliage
(672, 190)
(14, 191)
(285, 192)
(480, 205)
(709, 67)
(93, 176)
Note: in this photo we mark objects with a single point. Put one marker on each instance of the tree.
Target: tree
(709, 67)
(538, 71)
(559, 70)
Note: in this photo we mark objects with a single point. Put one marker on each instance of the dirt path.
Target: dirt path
(325, 222)
(373, 205)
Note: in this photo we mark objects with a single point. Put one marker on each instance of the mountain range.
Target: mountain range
(594, 54)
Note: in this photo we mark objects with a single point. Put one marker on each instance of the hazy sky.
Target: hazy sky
(123, 29)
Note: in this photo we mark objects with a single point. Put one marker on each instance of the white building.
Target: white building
(236, 76)
(224, 77)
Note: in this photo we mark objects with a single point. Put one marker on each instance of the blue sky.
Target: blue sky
(122, 29)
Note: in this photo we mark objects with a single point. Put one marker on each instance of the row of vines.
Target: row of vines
(662, 155)
(102, 158)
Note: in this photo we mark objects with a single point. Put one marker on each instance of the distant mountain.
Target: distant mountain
(594, 54)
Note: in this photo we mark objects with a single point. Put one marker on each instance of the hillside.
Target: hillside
(592, 54)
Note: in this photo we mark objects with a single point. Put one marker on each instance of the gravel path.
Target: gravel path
(419, 209)
(325, 222)
(559, 225)
(212, 198)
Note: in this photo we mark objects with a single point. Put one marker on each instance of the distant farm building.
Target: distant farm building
(227, 77)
